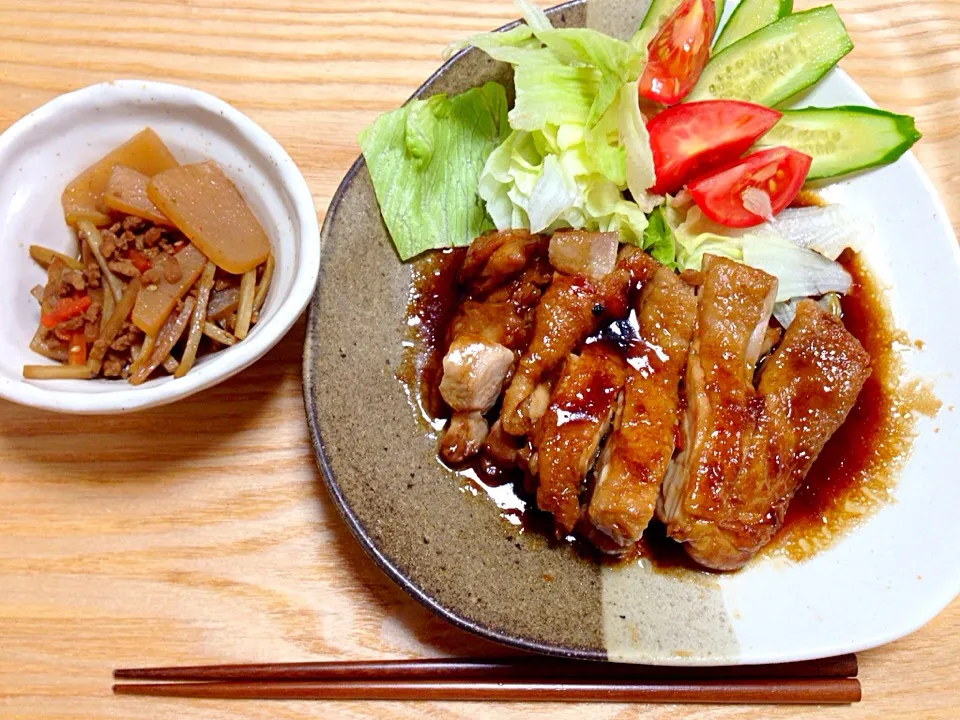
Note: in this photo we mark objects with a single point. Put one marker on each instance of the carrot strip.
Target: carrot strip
(65, 309)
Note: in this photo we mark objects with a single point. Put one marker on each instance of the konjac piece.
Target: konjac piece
(126, 192)
(569, 433)
(155, 302)
(207, 207)
(637, 452)
(83, 197)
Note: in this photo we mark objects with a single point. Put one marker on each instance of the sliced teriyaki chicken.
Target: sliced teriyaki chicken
(807, 386)
(571, 308)
(637, 452)
(727, 505)
(495, 258)
(488, 332)
(569, 433)
(733, 312)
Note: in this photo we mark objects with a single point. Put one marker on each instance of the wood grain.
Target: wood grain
(123, 543)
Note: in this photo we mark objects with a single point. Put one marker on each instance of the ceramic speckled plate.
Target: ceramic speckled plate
(453, 552)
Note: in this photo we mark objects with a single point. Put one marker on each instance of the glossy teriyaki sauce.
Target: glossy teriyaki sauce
(853, 476)
(858, 467)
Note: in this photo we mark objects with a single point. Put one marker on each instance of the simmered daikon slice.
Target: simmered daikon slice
(83, 197)
(155, 302)
(207, 207)
(126, 192)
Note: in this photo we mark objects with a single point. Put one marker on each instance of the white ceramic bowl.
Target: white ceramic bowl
(43, 151)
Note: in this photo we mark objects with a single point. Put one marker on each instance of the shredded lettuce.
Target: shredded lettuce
(658, 240)
(635, 140)
(425, 159)
(696, 235)
(543, 181)
(534, 17)
(579, 140)
(511, 45)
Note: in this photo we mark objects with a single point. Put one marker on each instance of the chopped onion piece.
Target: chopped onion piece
(828, 230)
(800, 272)
(758, 202)
(578, 252)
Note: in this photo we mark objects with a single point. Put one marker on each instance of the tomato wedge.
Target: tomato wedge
(690, 139)
(778, 171)
(678, 52)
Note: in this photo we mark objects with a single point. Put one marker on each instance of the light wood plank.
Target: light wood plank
(121, 545)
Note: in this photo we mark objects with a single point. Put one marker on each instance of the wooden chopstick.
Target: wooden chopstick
(520, 668)
(820, 691)
(824, 681)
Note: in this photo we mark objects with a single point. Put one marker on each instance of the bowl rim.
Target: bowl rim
(241, 355)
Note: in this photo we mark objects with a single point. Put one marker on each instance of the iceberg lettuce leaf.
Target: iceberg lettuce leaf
(425, 160)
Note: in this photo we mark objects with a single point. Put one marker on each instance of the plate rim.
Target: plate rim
(395, 573)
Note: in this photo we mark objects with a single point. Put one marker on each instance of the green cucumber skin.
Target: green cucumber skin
(787, 28)
(661, 8)
(658, 9)
(857, 121)
(731, 32)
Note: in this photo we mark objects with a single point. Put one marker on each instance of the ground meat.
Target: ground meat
(132, 222)
(128, 240)
(113, 365)
(222, 283)
(124, 267)
(73, 279)
(152, 236)
(171, 244)
(151, 276)
(108, 243)
(128, 335)
(92, 275)
(54, 287)
(171, 269)
(65, 330)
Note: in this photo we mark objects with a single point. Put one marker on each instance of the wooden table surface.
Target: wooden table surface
(125, 543)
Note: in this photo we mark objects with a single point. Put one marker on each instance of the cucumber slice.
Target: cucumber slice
(843, 139)
(775, 62)
(660, 10)
(748, 17)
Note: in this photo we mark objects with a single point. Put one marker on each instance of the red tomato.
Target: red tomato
(678, 52)
(778, 171)
(690, 139)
